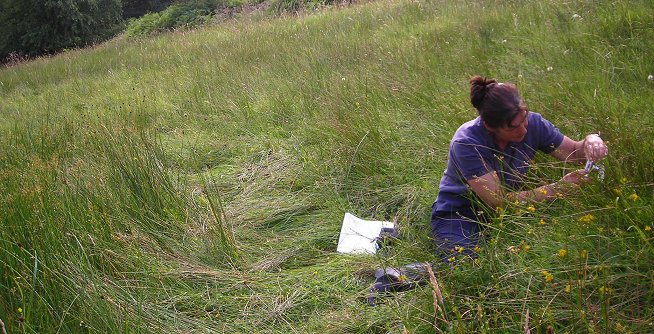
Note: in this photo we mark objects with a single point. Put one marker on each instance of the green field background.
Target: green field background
(195, 181)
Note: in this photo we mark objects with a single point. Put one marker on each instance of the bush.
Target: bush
(36, 27)
(138, 8)
(283, 6)
(179, 15)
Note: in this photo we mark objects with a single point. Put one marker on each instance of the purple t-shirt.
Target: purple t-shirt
(473, 153)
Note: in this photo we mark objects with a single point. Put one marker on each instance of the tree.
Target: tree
(36, 27)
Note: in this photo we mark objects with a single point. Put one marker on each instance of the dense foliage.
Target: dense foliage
(179, 15)
(284, 6)
(35, 27)
(138, 8)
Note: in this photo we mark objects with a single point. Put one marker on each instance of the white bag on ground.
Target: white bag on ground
(358, 235)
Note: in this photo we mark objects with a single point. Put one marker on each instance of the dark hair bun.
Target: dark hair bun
(478, 88)
(496, 103)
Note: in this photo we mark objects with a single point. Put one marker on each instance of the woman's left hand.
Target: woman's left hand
(594, 148)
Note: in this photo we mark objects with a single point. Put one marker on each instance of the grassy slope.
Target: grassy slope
(196, 181)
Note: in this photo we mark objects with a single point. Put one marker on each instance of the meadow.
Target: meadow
(195, 181)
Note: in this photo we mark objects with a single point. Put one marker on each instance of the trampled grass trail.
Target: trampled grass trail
(196, 181)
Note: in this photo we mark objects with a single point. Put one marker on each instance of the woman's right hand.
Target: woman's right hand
(594, 148)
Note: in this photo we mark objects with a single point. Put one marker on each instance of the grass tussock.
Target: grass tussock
(196, 181)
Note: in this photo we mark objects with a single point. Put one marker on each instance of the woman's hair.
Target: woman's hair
(496, 103)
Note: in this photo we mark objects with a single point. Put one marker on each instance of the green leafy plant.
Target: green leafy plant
(177, 16)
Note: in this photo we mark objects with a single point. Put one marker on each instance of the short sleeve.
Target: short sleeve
(472, 160)
(549, 137)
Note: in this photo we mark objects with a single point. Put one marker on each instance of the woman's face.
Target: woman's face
(514, 131)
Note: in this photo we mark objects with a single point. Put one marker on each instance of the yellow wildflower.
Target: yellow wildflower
(617, 191)
(477, 249)
(451, 259)
(563, 252)
(634, 197)
(20, 310)
(543, 191)
(623, 180)
(548, 277)
(648, 228)
(459, 249)
(583, 254)
(568, 288)
(586, 218)
(541, 222)
(531, 208)
(604, 290)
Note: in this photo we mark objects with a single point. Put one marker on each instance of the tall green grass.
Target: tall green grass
(196, 181)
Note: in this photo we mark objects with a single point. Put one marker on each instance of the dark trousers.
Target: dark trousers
(457, 232)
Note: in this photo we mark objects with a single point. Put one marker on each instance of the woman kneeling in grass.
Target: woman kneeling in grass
(490, 155)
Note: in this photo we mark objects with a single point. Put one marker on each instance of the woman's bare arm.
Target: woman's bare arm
(592, 147)
(489, 189)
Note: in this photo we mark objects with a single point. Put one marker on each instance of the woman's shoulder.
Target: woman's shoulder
(535, 116)
(472, 131)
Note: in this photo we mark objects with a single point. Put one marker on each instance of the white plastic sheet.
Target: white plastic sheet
(358, 235)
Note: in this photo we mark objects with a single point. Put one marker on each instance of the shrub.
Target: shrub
(282, 6)
(179, 15)
(138, 8)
